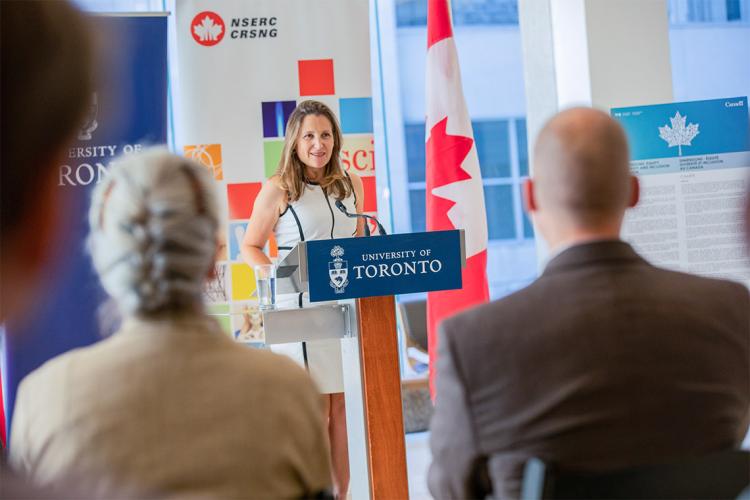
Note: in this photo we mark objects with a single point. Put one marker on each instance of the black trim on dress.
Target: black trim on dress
(304, 356)
(354, 193)
(333, 218)
(299, 226)
(351, 185)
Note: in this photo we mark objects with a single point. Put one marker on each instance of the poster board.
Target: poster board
(693, 163)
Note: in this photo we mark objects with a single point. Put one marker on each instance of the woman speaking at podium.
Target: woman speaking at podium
(299, 204)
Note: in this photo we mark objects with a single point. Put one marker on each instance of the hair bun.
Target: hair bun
(155, 245)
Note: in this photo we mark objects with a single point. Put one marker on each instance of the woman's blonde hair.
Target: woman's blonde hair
(291, 170)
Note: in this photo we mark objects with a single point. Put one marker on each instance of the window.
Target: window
(498, 201)
(495, 141)
(415, 151)
(683, 12)
(493, 148)
(122, 5)
(706, 51)
(522, 148)
(417, 206)
(411, 13)
(734, 12)
(465, 12)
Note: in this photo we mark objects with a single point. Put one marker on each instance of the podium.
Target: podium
(362, 275)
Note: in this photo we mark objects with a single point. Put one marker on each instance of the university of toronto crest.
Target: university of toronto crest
(84, 134)
(338, 270)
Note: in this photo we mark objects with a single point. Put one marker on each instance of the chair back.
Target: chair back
(719, 475)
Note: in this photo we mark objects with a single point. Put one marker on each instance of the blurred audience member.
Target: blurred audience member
(45, 81)
(603, 362)
(169, 403)
(47, 75)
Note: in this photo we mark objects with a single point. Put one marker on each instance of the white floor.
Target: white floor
(417, 462)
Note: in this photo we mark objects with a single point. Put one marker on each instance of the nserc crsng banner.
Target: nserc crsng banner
(243, 68)
(127, 112)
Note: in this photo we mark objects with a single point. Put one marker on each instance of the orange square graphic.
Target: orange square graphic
(209, 155)
(316, 77)
(273, 247)
(241, 198)
(371, 200)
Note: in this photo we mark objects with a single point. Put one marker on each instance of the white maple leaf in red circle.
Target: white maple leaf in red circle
(207, 29)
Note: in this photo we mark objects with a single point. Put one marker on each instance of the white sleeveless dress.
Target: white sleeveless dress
(315, 217)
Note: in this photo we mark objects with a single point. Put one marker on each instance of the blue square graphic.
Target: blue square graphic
(236, 233)
(356, 115)
(275, 116)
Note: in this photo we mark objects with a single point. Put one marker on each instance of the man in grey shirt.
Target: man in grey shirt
(603, 362)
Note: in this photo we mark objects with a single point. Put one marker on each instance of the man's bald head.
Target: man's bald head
(581, 169)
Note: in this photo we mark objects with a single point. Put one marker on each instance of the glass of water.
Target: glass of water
(265, 280)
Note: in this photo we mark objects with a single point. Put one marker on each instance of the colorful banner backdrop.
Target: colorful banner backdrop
(128, 112)
(243, 68)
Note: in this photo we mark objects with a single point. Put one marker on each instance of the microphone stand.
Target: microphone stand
(342, 208)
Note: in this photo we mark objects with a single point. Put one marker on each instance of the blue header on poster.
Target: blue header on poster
(127, 112)
(384, 265)
(686, 128)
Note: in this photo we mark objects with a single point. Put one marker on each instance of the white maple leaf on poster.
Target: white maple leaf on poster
(678, 134)
(207, 29)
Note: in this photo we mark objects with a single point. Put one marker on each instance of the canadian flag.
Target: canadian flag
(455, 197)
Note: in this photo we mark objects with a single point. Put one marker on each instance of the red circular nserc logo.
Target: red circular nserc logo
(207, 28)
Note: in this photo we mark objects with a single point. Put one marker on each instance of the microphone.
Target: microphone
(342, 208)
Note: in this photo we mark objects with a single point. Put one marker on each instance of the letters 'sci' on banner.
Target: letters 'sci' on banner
(384, 265)
(682, 129)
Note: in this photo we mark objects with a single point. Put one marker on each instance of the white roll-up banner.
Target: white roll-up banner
(243, 67)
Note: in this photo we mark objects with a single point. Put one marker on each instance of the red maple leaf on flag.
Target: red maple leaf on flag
(445, 153)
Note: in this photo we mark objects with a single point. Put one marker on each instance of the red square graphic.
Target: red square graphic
(316, 77)
(371, 197)
(241, 198)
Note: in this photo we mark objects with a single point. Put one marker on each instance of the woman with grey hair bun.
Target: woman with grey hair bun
(154, 227)
(169, 403)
